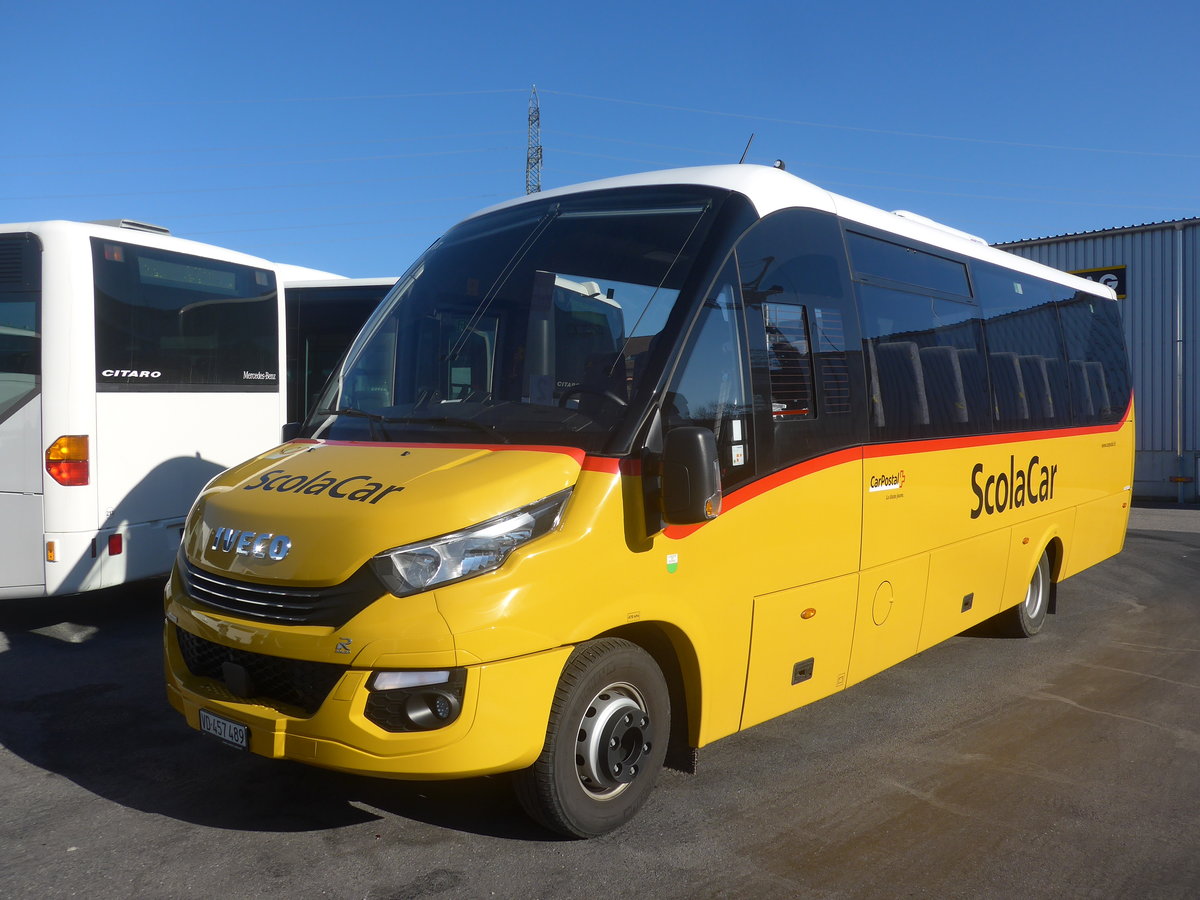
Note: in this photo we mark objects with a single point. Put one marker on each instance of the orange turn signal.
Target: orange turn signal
(67, 460)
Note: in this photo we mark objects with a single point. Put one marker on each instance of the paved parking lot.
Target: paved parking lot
(1165, 517)
(1063, 766)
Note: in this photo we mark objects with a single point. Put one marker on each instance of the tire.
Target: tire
(605, 743)
(1027, 618)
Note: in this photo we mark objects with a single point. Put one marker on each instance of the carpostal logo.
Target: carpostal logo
(356, 488)
(1012, 488)
(890, 482)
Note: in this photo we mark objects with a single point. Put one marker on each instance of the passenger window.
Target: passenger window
(923, 340)
(1097, 365)
(883, 262)
(803, 334)
(1025, 349)
(834, 365)
(927, 373)
(710, 389)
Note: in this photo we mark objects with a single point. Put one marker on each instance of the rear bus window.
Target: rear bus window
(172, 321)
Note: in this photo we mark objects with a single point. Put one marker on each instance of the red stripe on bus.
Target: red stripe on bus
(876, 451)
(607, 464)
(769, 483)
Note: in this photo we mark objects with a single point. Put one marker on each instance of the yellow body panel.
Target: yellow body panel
(851, 563)
(887, 627)
(801, 647)
(353, 501)
(966, 586)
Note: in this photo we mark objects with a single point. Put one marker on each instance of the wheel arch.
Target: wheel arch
(676, 657)
(1057, 552)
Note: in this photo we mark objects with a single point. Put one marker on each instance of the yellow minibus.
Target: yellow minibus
(617, 470)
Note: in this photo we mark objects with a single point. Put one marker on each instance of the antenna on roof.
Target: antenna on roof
(747, 150)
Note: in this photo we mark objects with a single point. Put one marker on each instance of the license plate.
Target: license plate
(235, 734)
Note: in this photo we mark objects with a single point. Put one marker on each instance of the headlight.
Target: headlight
(472, 551)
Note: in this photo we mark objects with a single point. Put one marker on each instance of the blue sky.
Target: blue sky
(347, 136)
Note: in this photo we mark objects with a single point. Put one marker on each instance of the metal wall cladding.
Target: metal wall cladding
(1162, 287)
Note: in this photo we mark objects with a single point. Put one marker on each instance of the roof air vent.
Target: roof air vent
(135, 225)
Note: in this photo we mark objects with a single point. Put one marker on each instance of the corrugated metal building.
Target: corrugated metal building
(1154, 268)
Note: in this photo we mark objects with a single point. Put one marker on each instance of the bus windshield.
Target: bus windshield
(527, 325)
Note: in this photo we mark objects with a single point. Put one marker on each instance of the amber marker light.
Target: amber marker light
(808, 613)
(67, 460)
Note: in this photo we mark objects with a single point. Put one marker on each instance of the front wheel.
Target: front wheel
(605, 743)
(1027, 618)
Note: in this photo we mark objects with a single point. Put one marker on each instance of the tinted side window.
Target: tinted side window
(20, 320)
(321, 322)
(789, 360)
(803, 333)
(926, 362)
(710, 389)
(922, 335)
(879, 261)
(170, 321)
(1097, 365)
(1025, 349)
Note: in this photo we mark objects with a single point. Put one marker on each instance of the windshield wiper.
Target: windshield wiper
(490, 430)
(376, 419)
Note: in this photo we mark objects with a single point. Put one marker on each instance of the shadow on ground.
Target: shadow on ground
(82, 696)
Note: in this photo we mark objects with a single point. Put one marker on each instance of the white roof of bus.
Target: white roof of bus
(771, 189)
(164, 241)
(138, 236)
(336, 281)
(290, 274)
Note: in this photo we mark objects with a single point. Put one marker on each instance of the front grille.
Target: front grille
(278, 603)
(255, 676)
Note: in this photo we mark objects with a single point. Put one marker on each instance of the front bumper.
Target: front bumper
(502, 725)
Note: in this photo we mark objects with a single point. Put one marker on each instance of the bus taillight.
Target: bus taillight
(67, 460)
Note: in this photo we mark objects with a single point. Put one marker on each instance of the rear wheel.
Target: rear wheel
(605, 743)
(1026, 618)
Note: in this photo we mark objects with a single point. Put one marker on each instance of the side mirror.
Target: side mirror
(691, 476)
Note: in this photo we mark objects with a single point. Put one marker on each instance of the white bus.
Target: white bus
(134, 366)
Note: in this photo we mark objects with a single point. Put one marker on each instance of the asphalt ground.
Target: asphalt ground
(1063, 766)
(1165, 517)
